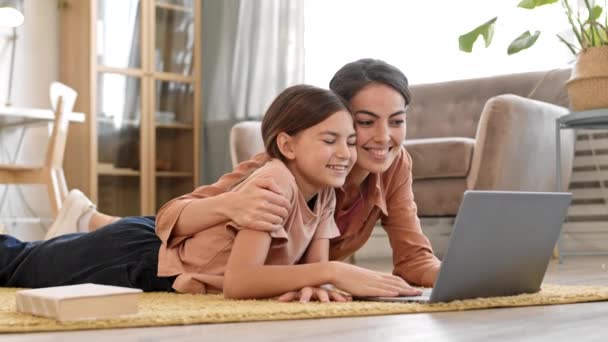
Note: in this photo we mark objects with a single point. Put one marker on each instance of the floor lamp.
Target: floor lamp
(11, 15)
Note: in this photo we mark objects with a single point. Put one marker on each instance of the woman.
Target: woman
(378, 187)
(380, 184)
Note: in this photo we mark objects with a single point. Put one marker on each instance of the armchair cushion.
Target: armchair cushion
(440, 157)
(439, 197)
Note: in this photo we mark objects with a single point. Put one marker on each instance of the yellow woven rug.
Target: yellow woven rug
(159, 309)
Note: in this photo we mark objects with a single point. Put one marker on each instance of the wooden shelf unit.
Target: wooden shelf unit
(137, 73)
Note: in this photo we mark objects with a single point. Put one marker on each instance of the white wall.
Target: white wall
(421, 37)
(36, 66)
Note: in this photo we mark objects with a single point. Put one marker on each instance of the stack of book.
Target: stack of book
(78, 302)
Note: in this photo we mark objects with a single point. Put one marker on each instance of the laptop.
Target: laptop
(500, 245)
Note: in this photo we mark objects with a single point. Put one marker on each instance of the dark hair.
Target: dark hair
(354, 76)
(296, 109)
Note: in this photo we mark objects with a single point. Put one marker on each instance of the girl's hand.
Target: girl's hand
(259, 205)
(324, 294)
(362, 282)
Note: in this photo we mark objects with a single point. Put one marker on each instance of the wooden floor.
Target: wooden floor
(574, 322)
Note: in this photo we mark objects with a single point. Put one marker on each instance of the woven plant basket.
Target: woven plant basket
(588, 84)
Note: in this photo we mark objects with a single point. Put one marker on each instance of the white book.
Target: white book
(78, 302)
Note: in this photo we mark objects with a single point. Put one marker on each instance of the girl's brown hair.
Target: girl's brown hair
(295, 109)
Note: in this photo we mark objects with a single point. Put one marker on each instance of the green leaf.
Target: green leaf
(524, 41)
(595, 13)
(575, 29)
(596, 35)
(586, 36)
(530, 4)
(570, 46)
(486, 30)
(603, 33)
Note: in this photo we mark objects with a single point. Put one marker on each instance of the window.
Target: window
(421, 37)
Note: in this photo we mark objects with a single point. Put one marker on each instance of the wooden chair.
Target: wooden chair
(51, 172)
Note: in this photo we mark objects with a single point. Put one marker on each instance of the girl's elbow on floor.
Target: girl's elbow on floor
(231, 294)
(234, 293)
(234, 288)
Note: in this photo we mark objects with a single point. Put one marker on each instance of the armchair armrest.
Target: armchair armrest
(515, 146)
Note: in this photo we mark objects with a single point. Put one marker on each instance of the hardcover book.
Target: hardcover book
(78, 302)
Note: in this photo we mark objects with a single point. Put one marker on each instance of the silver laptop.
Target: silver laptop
(501, 245)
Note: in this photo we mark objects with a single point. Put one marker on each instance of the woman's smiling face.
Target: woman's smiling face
(379, 114)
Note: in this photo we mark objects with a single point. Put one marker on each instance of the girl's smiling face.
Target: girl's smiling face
(322, 155)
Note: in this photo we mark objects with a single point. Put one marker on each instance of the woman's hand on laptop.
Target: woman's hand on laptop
(361, 282)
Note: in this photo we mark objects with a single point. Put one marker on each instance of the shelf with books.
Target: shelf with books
(175, 125)
(107, 169)
(173, 174)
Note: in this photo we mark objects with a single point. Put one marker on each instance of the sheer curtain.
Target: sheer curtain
(251, 51)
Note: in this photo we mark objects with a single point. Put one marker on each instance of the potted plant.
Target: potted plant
(588, 84)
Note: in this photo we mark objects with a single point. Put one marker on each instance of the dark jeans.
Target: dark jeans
(124, 253)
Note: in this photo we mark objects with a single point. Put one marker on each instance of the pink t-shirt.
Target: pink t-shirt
(199, 261)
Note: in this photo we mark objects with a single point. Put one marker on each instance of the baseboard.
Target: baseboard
(584, 237)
